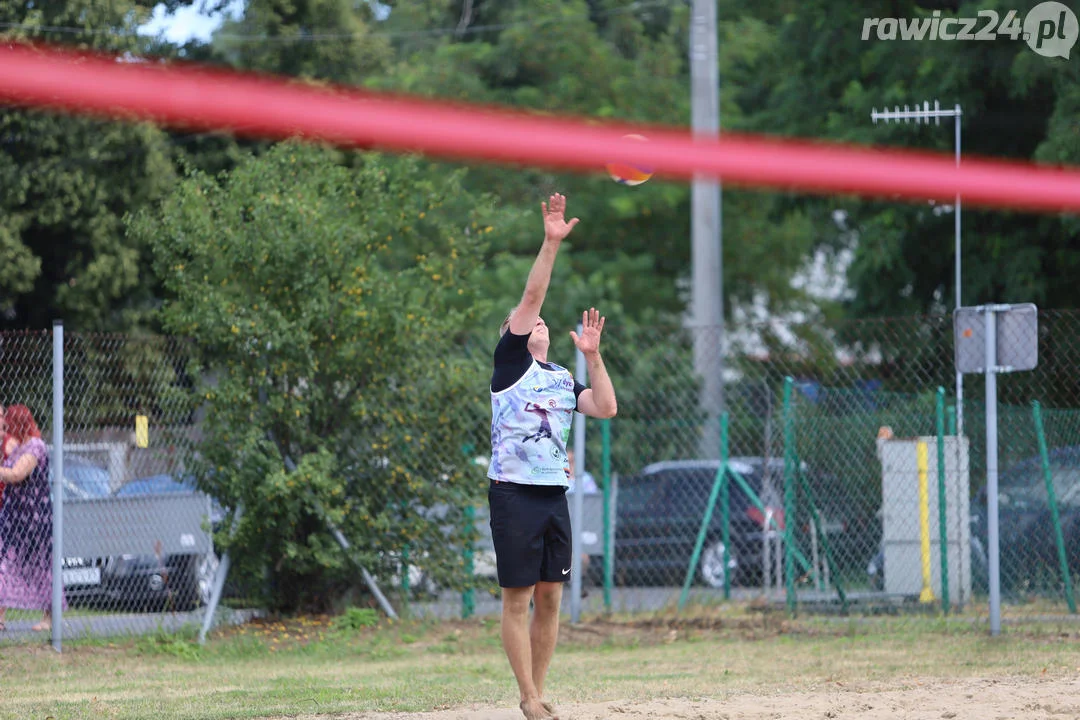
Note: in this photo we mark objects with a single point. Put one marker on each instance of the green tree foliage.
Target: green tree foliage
(792, 69)
(1016, 104)
(658, 390)
(66, 182)
(606, 59)
(324, 343)
(326, 40)
(317, 41)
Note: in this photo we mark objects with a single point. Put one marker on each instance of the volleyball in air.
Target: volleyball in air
(629, 173)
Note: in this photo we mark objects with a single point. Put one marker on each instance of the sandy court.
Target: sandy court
(998, 699)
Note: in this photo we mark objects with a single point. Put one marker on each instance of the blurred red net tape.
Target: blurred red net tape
(202, 99)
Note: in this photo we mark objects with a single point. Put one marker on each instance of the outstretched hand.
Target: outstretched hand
(555, 226)
(592, 324)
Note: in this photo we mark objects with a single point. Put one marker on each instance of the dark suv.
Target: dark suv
(1027, 539)
(659, 513)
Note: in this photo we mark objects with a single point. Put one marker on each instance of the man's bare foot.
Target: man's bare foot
(43, 625)
(536, 710)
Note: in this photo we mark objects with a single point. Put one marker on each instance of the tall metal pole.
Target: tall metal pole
(58, 487)
(577, 498)
(919, 115)
(706, 254)
(956, 252)
(993, 557)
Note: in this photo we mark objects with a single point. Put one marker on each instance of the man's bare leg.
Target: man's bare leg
(544, 632)
(518, 647)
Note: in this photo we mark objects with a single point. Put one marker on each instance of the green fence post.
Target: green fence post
(605, 478)
(789, 495)
(943, 533)
(815, 516)
(468, 597)
(1051, 496)
(406, 585)
(707, 518)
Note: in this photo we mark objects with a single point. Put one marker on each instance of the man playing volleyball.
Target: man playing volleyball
(532, 405)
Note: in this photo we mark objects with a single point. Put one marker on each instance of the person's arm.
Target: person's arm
(525, 315)
(512, 361)
(598, 400)
(20, 471)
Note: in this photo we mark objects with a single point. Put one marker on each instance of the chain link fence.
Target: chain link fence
(26, 530)
(137, 535)
(830, 439)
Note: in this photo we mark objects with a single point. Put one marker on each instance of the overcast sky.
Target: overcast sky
(187, 23)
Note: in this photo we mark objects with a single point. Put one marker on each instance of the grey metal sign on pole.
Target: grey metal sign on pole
(993, 339)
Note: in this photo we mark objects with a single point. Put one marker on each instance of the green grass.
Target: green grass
(14, 614)
(336, 665)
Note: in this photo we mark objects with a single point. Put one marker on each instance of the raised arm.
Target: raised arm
(556, 228)
(598, 400)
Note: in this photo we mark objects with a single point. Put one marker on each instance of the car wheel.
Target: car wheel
(713, 570)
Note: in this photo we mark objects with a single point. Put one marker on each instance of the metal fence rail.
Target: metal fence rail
(835, 436)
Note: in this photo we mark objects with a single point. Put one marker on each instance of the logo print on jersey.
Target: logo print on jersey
(545, 427)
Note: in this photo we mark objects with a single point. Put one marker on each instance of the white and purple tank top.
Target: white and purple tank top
(530, 425)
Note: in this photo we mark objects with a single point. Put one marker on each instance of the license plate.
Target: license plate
(82, 576)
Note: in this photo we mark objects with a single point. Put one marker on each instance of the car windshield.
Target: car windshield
(1029, 487)
(84, 479)
(638, 494)
(691, 488)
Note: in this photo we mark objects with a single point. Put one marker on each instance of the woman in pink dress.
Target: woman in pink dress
(10, 444)
(26, 520)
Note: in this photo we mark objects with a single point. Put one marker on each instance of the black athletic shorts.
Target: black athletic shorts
(530, 525)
